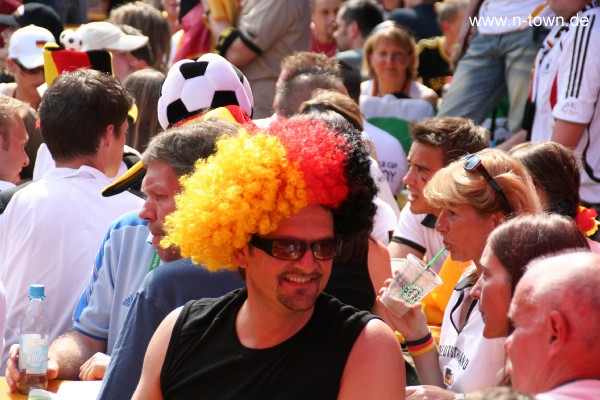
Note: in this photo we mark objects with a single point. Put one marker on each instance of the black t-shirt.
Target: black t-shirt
(434, 64)
(205, 359)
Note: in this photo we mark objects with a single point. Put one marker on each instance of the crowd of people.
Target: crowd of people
(212, 193)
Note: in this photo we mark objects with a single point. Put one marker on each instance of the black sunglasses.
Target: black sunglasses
(473, 163)
(29, 71)
(293, 249)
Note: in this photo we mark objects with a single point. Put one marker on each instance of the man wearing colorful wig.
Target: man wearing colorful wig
(276, 204)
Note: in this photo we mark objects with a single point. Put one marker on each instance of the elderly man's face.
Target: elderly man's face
(526, 346)
(160, 184)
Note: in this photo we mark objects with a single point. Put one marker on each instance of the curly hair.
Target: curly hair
(455, 185)
(253, 181)
(355, 216)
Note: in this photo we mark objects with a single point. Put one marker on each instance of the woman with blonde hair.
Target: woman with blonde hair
(475, 195)
(391, 60)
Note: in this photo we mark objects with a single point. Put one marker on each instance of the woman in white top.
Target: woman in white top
(390, 59)
(475, 195)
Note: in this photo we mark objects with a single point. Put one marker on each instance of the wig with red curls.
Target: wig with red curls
(253, 181)
(321, 157)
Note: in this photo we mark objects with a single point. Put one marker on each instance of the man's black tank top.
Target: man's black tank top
(205, 359)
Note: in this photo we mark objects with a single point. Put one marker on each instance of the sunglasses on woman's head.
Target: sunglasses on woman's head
(473, 164)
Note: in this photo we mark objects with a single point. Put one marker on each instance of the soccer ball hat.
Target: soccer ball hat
(194, 91)
(193, 87)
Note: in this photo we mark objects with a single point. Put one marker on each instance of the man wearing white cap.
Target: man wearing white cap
(26, 62)
(106, 36)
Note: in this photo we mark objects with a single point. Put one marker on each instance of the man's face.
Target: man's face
(423, 161)
(525, 346)
(160, 184)
(493, 289)
(341, 34)
(289, 286)
(323, 16)
(12, 151)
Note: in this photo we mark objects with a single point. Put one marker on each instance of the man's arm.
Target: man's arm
(239, 54)
(517, 138)
(72, 350)
(567, 133)
(375, 366)
(400, 250)
(149, 386)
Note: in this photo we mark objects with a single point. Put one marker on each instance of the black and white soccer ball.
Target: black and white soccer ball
(207, 83)
(70, 39)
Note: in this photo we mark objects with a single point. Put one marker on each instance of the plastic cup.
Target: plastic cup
(412, 282)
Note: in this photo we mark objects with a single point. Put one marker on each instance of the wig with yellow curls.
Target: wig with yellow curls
(253, 181)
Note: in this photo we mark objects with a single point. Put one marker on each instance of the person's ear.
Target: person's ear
(12, 67)
(354, 29)
(557, 328)
(109, 135)
(445, 26)
(498, 218)
(240, 256)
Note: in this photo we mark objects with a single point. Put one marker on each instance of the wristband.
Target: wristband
(418, 342)
(225, 40)
(421, 346)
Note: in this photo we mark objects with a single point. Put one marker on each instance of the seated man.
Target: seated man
(553, 349)
(285, 199)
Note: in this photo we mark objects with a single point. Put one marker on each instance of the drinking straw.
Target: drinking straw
(434, 259)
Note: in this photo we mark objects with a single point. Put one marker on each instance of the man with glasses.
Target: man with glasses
(277, 205)
(26, 62)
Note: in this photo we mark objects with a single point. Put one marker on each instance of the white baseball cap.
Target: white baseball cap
(107, 36)
(26, 45)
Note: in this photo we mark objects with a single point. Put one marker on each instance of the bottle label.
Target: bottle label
(33, 354)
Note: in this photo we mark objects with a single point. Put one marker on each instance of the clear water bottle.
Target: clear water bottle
(33, 353)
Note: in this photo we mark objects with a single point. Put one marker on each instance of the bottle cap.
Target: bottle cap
(36, 291)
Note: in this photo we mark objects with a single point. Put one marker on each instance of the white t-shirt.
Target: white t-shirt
(44, 161)
(383, 222)
(6, 185)
(468, 361)
(391, 157)
(543, 86)
(503, 16)
(585, 389)
(578, 83)
(49, 234)
(418, 231)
